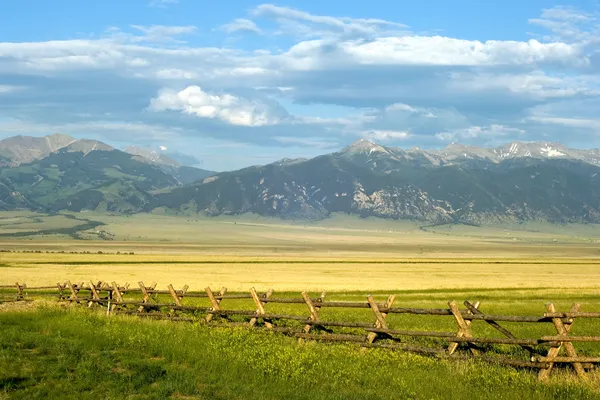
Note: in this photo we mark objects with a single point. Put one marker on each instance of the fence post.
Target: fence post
(260, 307)
(60, 291)
(95, 295)
(313, 309)
(562, 322)
(214, 303)
(175, 298)
(115, 293)
(174, 295)
(144, 290)
(74, 292)
(562, 329)
(19, 291)
(146, 295)
(380, 322)
(464, 329)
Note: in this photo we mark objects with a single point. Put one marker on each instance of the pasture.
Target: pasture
(51, 351)
(339, 254)
(75, 352)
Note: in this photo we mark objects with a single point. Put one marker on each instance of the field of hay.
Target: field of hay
(338, 254)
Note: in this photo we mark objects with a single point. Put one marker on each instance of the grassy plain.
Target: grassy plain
(77, 353)
(342, 253)
(50, 352)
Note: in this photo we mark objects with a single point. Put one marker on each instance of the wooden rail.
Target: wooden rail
(147, 301)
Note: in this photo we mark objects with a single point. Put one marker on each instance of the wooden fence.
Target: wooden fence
(147, 301)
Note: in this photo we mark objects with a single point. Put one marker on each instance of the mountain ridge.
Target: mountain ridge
(20, 149)
(152, 155)
(517, 182)
(454, 151)
(440, 186)
(82, 174)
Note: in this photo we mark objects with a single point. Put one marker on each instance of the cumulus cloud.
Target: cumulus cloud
(392, 84)
(437, 50)
(226, 107)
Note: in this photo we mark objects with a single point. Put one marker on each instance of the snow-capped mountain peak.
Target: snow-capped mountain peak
(364, 146)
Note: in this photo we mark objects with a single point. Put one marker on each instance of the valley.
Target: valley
(340, 253)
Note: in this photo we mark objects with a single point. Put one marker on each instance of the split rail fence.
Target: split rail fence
(542, 353)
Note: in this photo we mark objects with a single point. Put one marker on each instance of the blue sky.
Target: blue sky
(246, 82)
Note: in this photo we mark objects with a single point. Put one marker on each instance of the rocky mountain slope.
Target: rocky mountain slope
(17, 150)
(152, 156)
(458, 184)
(84, 175)
(183, 173)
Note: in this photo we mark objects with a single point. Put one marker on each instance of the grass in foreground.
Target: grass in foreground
(75, 353)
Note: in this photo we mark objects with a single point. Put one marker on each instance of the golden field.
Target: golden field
(338, 254)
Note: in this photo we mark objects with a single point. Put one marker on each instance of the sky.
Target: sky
(238, 83)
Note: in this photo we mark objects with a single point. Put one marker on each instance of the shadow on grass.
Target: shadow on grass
(14, 383)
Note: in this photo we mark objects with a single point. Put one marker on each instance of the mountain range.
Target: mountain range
(457, 184)
(58, 172)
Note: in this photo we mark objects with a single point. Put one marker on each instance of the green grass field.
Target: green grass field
(77, 353)
(48, 351)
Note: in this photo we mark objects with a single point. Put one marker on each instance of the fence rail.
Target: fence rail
(543, 352)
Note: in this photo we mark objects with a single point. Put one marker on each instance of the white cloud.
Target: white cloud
(162, 148)
(175, 73)
(241, 25)
(399, 85)
(384, 135)
(405, 108)
(566, 14)
(35, 57)
(400, 107)
(535, 84)
(571, 122)
(567, 24)
(9, 88)
(113, 130)
(305, 24)
(437, 50)
(231, 109)
(491, 132)
(163, 33)
(243, 71)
